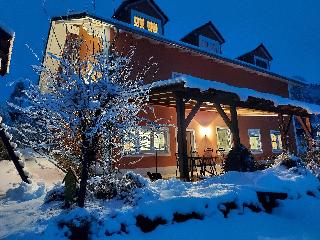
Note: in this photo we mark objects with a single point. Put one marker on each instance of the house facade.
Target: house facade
(198, 56)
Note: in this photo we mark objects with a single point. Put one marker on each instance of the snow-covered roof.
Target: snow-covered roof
(242, 93)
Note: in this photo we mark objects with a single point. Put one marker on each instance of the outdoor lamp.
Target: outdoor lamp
(205, 131)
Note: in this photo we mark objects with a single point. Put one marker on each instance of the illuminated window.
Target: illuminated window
(144, 21)
(209, 45)
(276, 141)
(152, 27)
(138, 22)
(146, 141)
(224, 139)
(255, 140)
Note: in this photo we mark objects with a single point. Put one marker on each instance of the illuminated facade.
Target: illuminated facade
(198, 54)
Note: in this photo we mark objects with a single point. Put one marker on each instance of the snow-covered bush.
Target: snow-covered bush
(289, 161)
(123, 188)
(55, 194)
(239, 159)
(312, 158)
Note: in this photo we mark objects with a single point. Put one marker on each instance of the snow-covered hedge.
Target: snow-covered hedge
(167, 202)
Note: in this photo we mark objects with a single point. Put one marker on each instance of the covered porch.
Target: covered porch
(189, 95)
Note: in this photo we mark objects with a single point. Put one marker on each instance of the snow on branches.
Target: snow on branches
(87, 110)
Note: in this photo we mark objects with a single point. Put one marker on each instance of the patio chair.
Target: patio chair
(208, 161)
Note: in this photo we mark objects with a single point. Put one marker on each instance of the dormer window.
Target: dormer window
(261, 62)
(6, 41)
(207, 37)
(209, 45)
(142, 14)
(143, 21)
(259, 57)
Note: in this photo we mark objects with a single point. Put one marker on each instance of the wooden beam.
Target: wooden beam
(193, 112)
(222, 114)
(182, 138)
(305, 126)
(287, 128)
(235, 126)
(282, 129)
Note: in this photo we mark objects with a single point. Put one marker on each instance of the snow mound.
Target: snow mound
(26, 192)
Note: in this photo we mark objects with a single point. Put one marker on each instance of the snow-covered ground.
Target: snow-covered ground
(23, 214)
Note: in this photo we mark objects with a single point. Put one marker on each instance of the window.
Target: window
(224, 139)
(209, 45)
(144, 141)
(146, 22)
(276, 141)
(255, 140)
(261, 62)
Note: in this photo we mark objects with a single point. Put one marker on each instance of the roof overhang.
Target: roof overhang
(249, 102)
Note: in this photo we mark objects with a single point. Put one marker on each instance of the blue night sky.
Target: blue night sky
(289, 29)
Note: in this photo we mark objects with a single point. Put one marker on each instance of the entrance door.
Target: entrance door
(190, 142)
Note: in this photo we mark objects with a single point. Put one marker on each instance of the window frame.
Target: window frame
(255, 57)
(152, 151)
(255, 130)
(276, 133)
(146, 17)
(210, 41)
(229, 140)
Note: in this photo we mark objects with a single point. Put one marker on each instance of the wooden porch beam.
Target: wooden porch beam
(235, 126)
(282, 129)
(305, 126)
(287, 128)
(193, 112)
(182, 138)
(223, 114)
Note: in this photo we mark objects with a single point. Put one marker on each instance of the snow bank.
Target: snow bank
(26, 192)
(169, 204)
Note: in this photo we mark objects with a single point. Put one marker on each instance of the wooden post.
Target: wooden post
(182, 138)
(306, 126)
(283, 131)
(235, 126)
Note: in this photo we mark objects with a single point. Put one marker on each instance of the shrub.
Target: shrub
(111, 187)
(239, 159)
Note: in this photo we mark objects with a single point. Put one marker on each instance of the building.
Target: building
(209, 100)
(6, 40)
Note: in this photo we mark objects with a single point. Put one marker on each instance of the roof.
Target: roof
(260, 47)
(243, 94)
(127, 3)
(179, 44)
(209, 25)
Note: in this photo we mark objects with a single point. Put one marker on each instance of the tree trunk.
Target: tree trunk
(88, 156)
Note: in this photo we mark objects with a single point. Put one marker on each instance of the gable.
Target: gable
(207, 30)
(262, 52)
(259, 57)
(206, 37)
